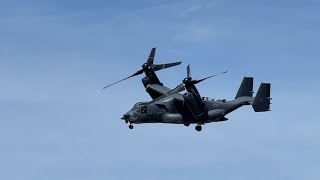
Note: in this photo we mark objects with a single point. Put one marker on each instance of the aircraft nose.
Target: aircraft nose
(125, 117)
(129, 117)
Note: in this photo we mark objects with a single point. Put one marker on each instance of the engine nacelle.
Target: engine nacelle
(198, 110)
(146, 81)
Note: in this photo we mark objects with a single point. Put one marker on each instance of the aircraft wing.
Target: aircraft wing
(156, 90)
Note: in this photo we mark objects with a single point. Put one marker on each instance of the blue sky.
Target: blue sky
(56, 122)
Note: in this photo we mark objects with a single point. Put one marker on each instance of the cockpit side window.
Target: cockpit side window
(143, 109)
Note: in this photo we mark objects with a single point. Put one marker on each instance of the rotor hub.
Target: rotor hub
(186, 80)
(145, 66)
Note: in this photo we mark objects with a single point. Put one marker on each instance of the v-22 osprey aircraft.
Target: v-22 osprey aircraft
(172, 107)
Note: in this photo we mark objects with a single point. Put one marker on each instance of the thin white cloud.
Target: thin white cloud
(196, 7)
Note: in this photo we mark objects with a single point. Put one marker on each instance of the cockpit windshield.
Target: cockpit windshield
(139, 107)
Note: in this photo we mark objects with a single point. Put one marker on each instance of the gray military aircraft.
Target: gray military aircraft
(170, 106)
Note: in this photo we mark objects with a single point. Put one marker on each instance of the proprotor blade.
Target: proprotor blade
(189, 71)
(151, 56)
(197, 81)
(157, 67)
(149, 66)
(135, 74)
(178, 89)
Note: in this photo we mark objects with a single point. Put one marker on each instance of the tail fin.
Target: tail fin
(245, 89)
(261, 102)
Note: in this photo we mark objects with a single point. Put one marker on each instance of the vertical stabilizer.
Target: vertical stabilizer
(261, 102)
(245, 89)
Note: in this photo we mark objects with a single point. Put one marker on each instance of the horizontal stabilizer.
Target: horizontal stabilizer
(261, 102)
(246, 88)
